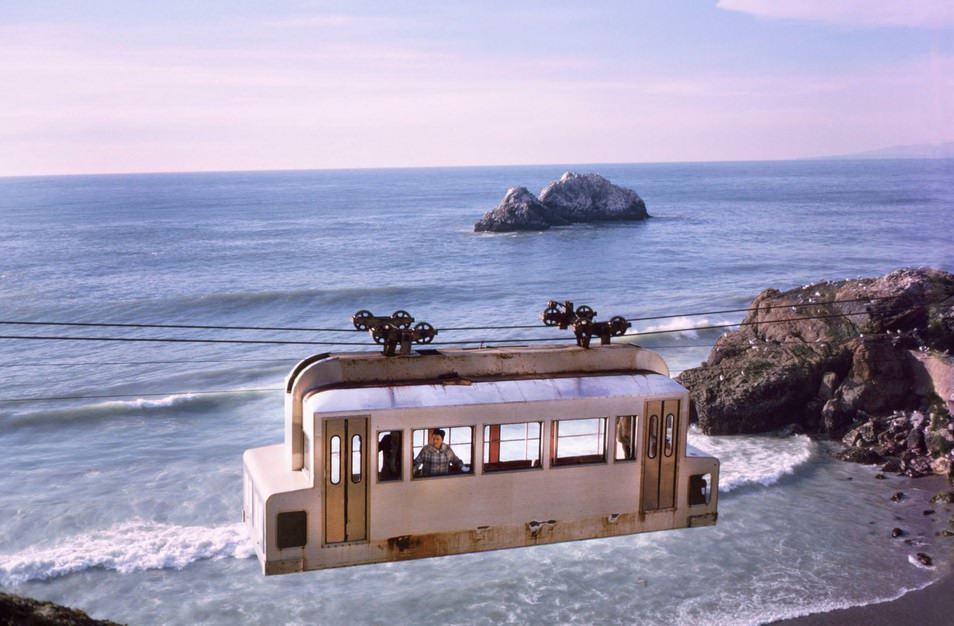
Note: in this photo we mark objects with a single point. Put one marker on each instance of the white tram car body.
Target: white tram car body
(558, 443)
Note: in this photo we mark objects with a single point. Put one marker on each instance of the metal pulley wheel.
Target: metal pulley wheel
(585, 312)
(425, 332)
(402, 319)
(361, 319)
(551, 316)
(618, 325)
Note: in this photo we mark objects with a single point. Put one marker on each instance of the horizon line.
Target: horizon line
(853, 157)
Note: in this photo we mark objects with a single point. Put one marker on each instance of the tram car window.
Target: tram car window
(579, 441)
(389, 455)
(626, 429)
(512, 446)
(454, 456)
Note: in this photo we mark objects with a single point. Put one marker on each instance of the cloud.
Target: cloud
(934, 14)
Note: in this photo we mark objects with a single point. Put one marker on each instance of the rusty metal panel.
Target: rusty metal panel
(652, 448)
(356, 479)
(334, 435)
(668, 456)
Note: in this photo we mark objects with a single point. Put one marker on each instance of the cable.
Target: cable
(179, 362)
(355, 343)
(180, 326)
(140, 395)
(445, 329)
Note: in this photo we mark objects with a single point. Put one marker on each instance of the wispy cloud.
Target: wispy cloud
(934, 14)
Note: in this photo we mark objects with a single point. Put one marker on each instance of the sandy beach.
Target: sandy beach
(931, 606)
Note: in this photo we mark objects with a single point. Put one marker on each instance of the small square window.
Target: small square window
(579, 441)
(454, 457)
(512, 446)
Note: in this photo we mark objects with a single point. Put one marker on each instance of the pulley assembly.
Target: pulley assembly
(394, 330)
(583, 321)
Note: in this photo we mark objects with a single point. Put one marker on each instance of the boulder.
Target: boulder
(21, 610)
(573, 198)
(592, 198)
(519, 210)
(798, 359)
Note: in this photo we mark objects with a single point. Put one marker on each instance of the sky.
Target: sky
(126, 86)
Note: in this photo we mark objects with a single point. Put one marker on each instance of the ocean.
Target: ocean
(120, 472)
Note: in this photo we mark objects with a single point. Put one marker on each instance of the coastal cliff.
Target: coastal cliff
(574, 198)
(868, 360)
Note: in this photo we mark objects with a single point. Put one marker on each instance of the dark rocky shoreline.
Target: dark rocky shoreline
(866, 360)
(20, 611)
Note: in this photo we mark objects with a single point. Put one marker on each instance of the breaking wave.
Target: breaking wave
(193, 402)
(747, 460)
(127, 547)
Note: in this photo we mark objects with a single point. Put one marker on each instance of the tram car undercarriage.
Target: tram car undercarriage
(550, 444)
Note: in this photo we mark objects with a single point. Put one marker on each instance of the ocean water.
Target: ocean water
(128, 506)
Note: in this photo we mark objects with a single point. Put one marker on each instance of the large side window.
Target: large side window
(578, 441)
(454, 456)
(626, 437)
(512, 446)
(389, 455)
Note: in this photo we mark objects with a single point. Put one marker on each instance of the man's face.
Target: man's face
(436, 440)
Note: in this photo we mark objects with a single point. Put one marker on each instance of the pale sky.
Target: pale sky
(123, 86)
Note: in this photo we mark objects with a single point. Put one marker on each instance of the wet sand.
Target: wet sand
(932, 606)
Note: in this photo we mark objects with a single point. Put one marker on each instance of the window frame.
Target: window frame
(634, 431)
(579, 460)
(448, 441)
(486, 441)
(377, 462)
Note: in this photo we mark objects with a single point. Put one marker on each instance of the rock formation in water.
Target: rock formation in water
(519, 210)
(875, 365)
(19, 610)
(591, 198)
(573, 198)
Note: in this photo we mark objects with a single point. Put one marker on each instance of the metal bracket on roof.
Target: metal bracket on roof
(582, 319)
(394, 330)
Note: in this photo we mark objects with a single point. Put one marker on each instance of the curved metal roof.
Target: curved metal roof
(491, 392)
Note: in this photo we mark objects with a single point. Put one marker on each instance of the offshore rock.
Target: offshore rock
(591, 198)
(519, 210)
(573, 198)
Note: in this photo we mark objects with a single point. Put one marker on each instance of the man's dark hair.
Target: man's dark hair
(440, 432)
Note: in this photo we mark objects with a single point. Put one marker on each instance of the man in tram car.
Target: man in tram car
(436, 458)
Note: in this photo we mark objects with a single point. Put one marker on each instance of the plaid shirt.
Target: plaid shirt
(433, 461)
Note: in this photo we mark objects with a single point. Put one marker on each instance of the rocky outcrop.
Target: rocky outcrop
(573, 198)
(591, 198)
(20, 611)
(799, 359)
(519, 210)
(874, 363)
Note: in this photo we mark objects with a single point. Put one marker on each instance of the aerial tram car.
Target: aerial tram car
(550, 443)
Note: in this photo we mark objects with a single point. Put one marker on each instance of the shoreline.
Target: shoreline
(931, 606)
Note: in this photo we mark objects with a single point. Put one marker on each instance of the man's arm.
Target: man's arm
(453, 459)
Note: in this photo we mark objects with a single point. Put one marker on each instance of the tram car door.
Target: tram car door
(346, 479)
(659, 460)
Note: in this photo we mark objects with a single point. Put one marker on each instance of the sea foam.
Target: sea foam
(754, 460)
(126, 547)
